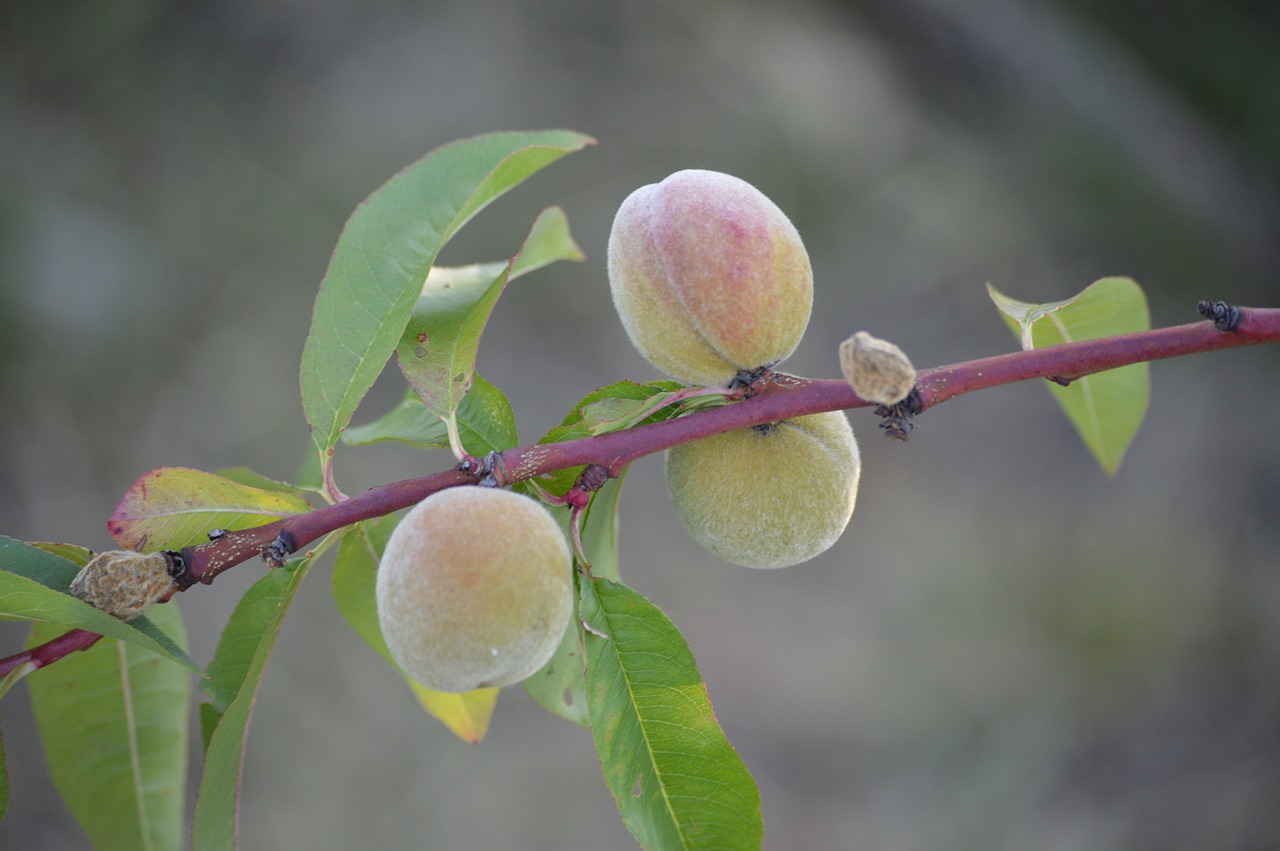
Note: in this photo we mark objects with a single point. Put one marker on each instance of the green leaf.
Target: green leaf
(1105, 408)
(615, 407)
(381, 261)
(560, 685)
(485, 419)
(174, 507)
(234, 677)
(677, 781)
(33, 587)
(113, 722)
(74, 553)
(355, 574)
(437, 353)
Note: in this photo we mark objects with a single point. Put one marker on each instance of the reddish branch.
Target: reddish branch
(787, 397)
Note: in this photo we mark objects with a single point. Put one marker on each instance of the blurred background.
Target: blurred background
(1005, 650)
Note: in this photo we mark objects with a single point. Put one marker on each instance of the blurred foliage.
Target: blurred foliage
(984, 661)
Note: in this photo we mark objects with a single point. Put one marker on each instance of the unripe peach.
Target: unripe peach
(475, 589)
(708, 276)
(768, 496)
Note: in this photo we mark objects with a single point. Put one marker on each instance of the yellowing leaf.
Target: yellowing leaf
(466, 715)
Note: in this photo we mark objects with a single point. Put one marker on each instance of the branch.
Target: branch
(784, 398)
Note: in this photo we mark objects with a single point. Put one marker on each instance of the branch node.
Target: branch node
(1226, 317)
(897, 423)
(492, 471)
(180, 568)
(751, 381)
(280, 549)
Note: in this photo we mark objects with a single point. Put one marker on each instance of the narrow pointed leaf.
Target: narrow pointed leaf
(624, 405)
(1107, 408)
(437, 352)
(33, 587)
(560, 685)
(113, 722)
(485, 419)
(234, 678)
(174, 507)
(355, 574)
(614, 407)
(677, 781)
(71, 552)
(384, 253)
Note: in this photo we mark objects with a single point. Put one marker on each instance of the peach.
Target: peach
(708, 276)
(475, 589)
(768, 496)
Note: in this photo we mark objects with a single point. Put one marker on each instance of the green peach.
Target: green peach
(769, 496)
(708, 276)
(475, 589)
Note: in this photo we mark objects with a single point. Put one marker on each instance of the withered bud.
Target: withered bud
(877, 370)
(124, 584)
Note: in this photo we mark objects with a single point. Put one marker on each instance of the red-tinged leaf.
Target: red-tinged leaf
(174, 507)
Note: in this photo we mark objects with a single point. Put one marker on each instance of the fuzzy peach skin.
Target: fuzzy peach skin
(708, 276)
(768, 497)
(475, 589)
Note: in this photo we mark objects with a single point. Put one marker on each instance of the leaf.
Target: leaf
(113, 722)
(560, 685)
(33, 587)
(1106, 408)
(437, 352)
(614, 407)
(233, 680)
(354, 579)
(485, 419)
(677, 781)
(466, 715)
(174, 507)
(253, 479)
(382, 257)
(74, 553)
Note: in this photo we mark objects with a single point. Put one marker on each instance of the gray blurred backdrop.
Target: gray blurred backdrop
(1006, 650)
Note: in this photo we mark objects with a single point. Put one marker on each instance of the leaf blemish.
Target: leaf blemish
(635, 790)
